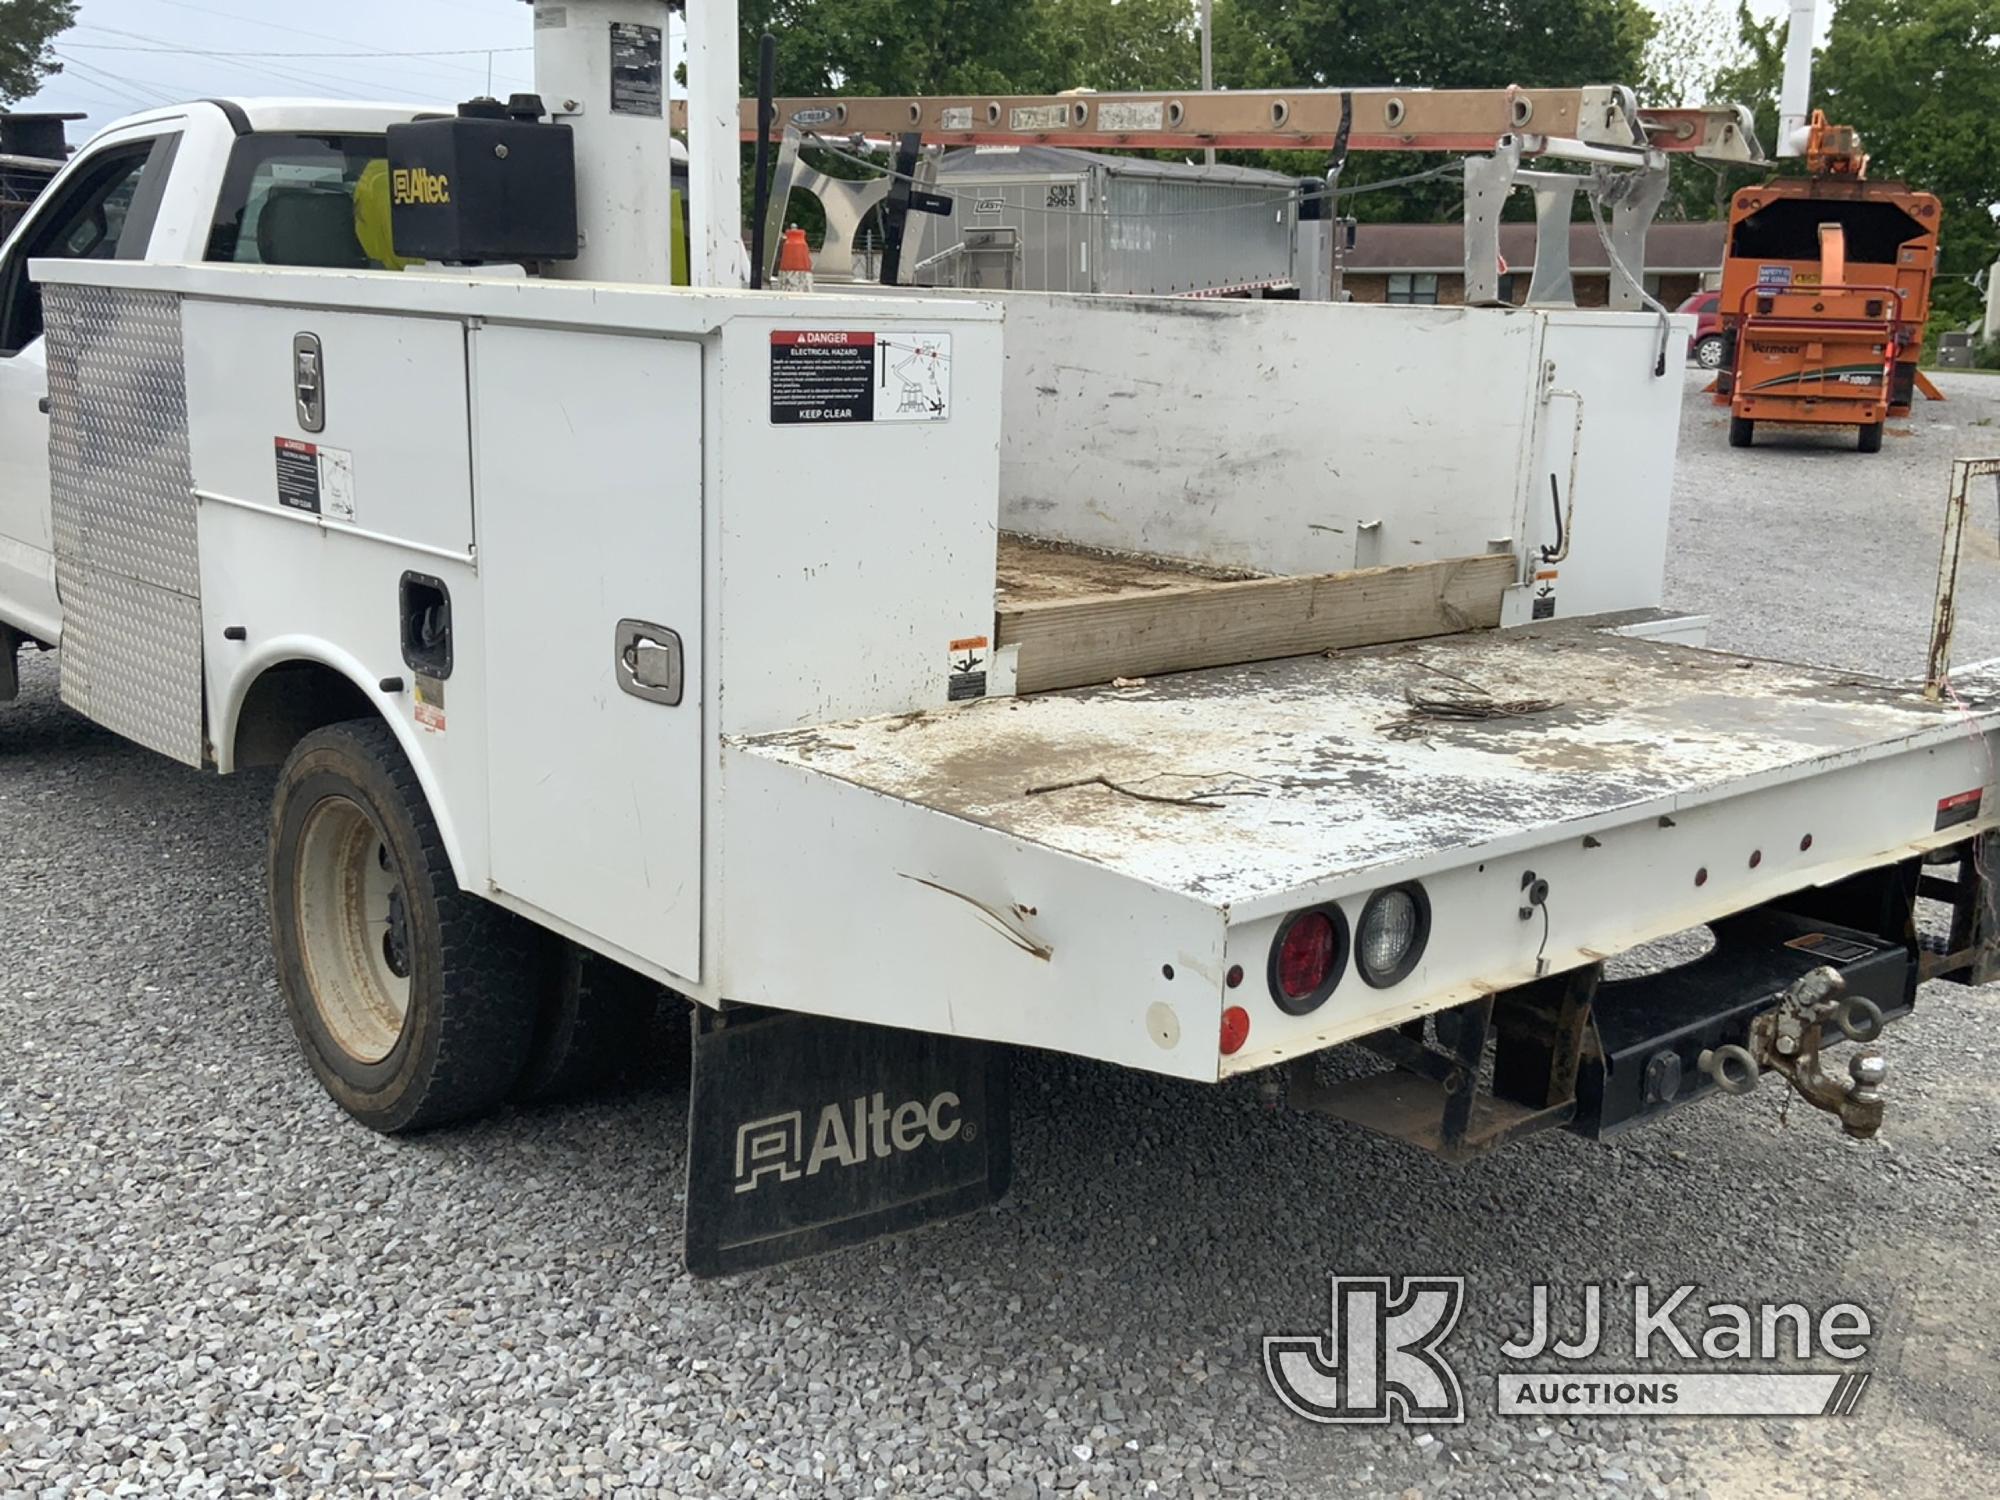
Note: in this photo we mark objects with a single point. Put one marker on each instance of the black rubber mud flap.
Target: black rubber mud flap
(807, 1134)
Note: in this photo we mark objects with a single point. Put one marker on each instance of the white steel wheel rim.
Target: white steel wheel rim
(353, 929)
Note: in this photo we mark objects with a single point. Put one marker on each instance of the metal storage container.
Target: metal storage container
(1039, 218)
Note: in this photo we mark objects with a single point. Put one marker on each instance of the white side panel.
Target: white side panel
(1625, 472)
(395, 400)
(253, 564)
(850, 555)
(842, 902)
(1283, 437)
(590, 511)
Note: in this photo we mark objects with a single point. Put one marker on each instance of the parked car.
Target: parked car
(1708, 348)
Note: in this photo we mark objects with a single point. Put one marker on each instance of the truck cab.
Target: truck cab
(269, 182)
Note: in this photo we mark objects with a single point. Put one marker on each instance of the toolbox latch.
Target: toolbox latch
(650, 662)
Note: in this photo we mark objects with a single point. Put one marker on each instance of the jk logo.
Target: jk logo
(1379, 1358)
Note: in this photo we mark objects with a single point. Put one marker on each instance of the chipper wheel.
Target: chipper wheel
(415, 1003)
(1870, 440)
(1742, 432)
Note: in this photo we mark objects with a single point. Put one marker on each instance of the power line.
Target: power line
(266, 62)
(208, 52)
(320, 36)
(290, 75)
(134, 90)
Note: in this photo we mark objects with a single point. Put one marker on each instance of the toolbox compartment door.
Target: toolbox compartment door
(589, 504)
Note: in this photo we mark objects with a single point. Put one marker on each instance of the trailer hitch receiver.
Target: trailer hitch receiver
(1787, 1041)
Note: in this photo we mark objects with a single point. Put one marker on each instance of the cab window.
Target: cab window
(305, 200)
(104, 211)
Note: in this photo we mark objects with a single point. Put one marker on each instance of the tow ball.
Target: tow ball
(1787, 1041)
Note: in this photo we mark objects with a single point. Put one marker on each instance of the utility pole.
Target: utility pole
(1208, 59)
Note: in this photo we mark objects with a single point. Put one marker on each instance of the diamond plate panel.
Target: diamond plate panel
(127, 561)
(141, 684)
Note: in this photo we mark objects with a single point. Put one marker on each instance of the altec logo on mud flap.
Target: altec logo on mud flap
(842, 1135)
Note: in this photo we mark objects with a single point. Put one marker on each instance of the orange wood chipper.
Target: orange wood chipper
(1826, 286)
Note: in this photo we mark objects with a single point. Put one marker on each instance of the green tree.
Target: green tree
(1130, 44)
(1753, 75)
(26, 29)
(1692, 42)
(1430, 43)
(1920, 79)
(898, 46)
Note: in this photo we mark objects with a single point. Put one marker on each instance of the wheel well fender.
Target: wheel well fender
(277, 696)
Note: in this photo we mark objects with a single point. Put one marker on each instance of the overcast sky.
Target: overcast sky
(126, 55)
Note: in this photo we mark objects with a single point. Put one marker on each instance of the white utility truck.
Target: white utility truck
(1193, 686)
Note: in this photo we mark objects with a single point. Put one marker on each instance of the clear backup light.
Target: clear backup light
(1395, 925)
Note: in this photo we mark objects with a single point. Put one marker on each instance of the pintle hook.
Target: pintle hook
(1787, 1041)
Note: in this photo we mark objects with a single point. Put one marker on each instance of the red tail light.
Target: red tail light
(1307, 959)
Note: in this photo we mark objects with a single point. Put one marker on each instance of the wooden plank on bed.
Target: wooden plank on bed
(1079, 642)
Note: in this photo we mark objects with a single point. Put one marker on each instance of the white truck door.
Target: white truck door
(588, 511)
(102, 207)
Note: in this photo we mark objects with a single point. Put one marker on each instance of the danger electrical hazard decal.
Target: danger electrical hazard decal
(1960, 807)
(843, 375)
(316, 479)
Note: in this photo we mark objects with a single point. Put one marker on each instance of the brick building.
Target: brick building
(1425, 263)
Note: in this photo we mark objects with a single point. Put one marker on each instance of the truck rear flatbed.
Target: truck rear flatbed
(1250, 792)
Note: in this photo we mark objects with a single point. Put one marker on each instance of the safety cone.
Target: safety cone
(795, 262)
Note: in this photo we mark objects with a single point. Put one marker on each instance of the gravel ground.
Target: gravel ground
(213, 1284)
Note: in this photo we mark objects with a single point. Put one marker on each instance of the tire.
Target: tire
(1870, 440)
(430, 1022)
(1710, 351)
(10, 657)
(1742, 432)
(594, 1021)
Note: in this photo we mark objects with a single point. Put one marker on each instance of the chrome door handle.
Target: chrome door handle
(650, 662)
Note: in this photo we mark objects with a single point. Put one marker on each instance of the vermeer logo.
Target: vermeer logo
(414, 186)
(843, 1135)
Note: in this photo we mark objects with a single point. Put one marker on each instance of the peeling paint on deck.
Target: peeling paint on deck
(1311, 787)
